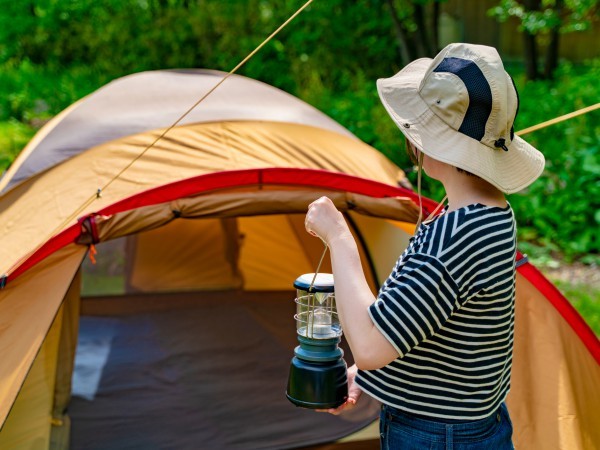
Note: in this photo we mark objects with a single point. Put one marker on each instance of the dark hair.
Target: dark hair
(409, 152)
(469, 174)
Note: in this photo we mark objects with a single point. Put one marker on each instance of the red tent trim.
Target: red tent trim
(224, 180)
(297, 177)
(269, 176)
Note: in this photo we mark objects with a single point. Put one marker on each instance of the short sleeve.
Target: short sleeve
(415, 302)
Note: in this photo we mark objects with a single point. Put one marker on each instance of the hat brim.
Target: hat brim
(509, 171)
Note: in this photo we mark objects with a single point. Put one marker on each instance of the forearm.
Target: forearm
(369, 347)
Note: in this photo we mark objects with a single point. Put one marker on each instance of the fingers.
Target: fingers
(307, 225)
(323, 199)
(349, 404)
(308, 220)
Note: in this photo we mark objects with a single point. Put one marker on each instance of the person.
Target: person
(435, 345)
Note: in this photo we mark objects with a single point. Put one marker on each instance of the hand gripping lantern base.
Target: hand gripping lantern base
(318, 374)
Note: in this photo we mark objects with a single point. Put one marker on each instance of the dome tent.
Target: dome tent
(198, 330)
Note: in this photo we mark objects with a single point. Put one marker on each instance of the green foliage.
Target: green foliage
(559, 212)
(119, 37)
(14, 135)
(569, 15)
(33, 93)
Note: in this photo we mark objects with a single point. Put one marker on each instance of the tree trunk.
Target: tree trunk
(406, 55)
(530, 49)
(422, 34)
(551, 62)
(435, 32)
(530, 44)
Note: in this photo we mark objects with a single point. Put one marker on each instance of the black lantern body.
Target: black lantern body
(318, 374)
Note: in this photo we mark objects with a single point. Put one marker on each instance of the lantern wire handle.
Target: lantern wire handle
(318, 266)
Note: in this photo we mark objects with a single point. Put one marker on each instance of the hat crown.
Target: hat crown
(467, 87)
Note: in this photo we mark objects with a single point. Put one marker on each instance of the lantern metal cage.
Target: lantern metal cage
(316, 315)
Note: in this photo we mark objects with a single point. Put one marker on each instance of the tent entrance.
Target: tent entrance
(186, 335)
(187, 331)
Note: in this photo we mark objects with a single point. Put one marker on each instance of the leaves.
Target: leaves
(569, 15)
(53, 52)
(562, 206)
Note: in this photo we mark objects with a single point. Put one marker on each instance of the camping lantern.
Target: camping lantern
(318, 373)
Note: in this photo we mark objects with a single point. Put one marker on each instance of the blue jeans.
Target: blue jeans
(403, 431)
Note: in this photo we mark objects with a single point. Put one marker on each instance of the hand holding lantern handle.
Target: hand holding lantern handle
(324, 221)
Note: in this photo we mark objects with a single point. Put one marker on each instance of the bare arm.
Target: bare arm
(370, 348)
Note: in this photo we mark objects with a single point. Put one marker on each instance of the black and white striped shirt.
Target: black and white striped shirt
(448, 309)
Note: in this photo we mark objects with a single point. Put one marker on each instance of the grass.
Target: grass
(98, 285)
(586, 300)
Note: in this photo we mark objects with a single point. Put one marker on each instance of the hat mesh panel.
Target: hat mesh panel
(480, 95)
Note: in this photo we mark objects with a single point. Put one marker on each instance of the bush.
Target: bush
(32, 93)
(14, 135)
(561, 211)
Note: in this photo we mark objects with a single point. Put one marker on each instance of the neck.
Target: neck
(463, 190)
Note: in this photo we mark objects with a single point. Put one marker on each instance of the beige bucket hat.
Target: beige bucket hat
(459, 108)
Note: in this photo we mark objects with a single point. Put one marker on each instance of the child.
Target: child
(435, 346)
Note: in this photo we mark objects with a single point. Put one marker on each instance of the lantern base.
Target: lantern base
(318, 383)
